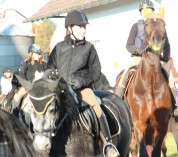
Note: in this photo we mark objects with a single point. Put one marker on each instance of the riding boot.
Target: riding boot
(109, 150)
(120, 91)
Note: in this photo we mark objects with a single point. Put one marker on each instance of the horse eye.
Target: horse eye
(51, 110)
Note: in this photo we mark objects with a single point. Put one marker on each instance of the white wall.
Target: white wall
(171, 16)
(112, 32)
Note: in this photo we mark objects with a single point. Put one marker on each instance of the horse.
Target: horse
(22, 111)
(14, 138)
(64, 125)
(148, 93)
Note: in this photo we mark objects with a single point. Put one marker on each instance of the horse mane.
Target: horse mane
(19, 142)
(67, 99)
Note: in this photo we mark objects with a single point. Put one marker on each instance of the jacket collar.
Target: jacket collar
(75, 42)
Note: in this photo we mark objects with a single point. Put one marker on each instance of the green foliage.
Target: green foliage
(44, 31)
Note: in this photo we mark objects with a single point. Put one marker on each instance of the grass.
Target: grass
(171, 145)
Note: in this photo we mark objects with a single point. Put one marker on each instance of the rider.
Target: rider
(135, 45)
(77, 61)
(33, 66)
(6, 85)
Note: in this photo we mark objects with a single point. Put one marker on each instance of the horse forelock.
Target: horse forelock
(154, 16)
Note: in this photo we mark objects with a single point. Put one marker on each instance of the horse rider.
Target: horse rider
(33, 66)
(135, 45)
(77, 61)
(6, 85)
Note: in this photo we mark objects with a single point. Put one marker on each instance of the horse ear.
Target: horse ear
(146, 13)
(53, 85)
(161, 12)
(24, 83)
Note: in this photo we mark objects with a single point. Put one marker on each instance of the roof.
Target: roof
(54, 8)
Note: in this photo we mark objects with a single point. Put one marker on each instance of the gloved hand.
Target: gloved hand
(53, 75)
(75, 84)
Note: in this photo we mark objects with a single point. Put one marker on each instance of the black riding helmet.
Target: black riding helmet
(76, 17)
(148, 3)
(6, 69)
(35, 49)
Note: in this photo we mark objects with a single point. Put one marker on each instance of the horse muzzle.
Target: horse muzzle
(42, 144)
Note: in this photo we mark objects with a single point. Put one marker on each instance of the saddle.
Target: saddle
(129, 77)
(89, 119)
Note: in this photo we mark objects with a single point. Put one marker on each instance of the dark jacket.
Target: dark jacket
(77, 60)
(102, 83)
(135, 51)
(27, 70)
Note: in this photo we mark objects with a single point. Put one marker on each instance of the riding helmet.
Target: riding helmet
(6, 69)
(35, 49)
(76, 17)
(149, 4)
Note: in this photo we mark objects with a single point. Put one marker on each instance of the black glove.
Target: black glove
(53, 75)
(75, 84)
(15, 81)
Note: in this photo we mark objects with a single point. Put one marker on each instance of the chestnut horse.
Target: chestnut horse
(148, 93)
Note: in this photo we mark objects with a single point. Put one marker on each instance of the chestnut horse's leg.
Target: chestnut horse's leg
(160, 127)
(164, 149)
(133, 145)
(140, 130)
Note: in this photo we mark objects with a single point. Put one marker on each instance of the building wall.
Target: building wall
(110, 26)
(13, 50)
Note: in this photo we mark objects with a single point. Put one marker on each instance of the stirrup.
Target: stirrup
(109, 144)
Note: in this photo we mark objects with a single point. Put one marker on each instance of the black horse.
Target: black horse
(14, 138)
(64, 125)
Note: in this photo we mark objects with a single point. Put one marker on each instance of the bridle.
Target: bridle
(52, 130)
(149, 45)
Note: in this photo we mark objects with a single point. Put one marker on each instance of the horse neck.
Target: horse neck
(150, 67)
